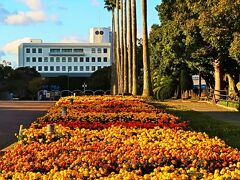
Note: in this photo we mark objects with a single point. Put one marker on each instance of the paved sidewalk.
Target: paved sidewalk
(13, 114)
(212, 110)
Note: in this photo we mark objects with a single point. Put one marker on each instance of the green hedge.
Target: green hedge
(230, 104)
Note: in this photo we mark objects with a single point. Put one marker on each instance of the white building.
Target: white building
(70, 59)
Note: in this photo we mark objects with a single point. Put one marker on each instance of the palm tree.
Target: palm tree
(125, 58)
(121, 50)
(147, 87)
(110, 5)
(118, 63)
(129, 29)
(134, 39)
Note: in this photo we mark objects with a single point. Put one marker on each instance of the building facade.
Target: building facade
(69, 59)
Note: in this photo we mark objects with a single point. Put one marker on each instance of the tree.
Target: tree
(125, 56)
(34, 86)
(118, 63)
(134, 39)
(18, 83)
(110, 5)
(100, 79)
(147, 87)
(129, 29)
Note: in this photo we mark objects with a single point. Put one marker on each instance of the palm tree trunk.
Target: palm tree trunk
(134, 39)
(129, 47)
(125, 61)
(118, 46)
(147, 87)
(114, 87)
(121, 51)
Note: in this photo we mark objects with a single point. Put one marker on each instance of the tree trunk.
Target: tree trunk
(129, 47)
(134, 39)
(114, 87)
(118, 47)
(147, 87)
(217, 76)
(125, 57)
(231, 85)
(122, 52)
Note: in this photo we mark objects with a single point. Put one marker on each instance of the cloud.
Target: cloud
(33, 4)
(73, 39)
(95, 3)
(35, 14)
(23, 18)
(12, 47)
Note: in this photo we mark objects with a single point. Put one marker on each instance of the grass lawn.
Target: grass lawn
(198, 121)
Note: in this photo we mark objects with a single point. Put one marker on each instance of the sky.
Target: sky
(55, 21)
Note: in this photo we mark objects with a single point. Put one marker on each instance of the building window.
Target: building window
(51, 68)
(39, 59)
(78, 50)
(63, 68)
(93, 68)
(99, 59)
(69, 68)
(63, 59)
(99, 67)
(57, 59)
(45, 68)
(81, 59)
(51, 59)
(99, 50)
(75, 59)
(28, 59)
(81, 68)
(57, 68)
(34, 50)
(54, 50)
(69, 59)
(39, 68)
(93, 50)
(45, 59)
(66, 50)
(34, 67)
(75, 68)
(87, 68)
(105, 59)
(34, 59)
(105, 50)
(28, 50)
(87, 59)
(93, 59)
(39, 50)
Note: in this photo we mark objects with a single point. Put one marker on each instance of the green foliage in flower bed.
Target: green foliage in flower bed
(230, 104)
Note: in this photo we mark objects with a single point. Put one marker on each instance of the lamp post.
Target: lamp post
(84, 87)
(68, 81)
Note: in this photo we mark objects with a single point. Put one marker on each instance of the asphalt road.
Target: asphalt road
(15, 113)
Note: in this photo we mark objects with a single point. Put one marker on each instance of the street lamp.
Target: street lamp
(68, 81)
(84, 87)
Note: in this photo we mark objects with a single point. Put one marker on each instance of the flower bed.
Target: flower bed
(98, 114)
(131, 149)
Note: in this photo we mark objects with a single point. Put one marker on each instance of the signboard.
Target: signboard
(48, 95)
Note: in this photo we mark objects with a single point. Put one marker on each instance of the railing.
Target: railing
(222, 95)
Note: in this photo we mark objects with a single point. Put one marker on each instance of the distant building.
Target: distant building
(195, 79)
(70, 59)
